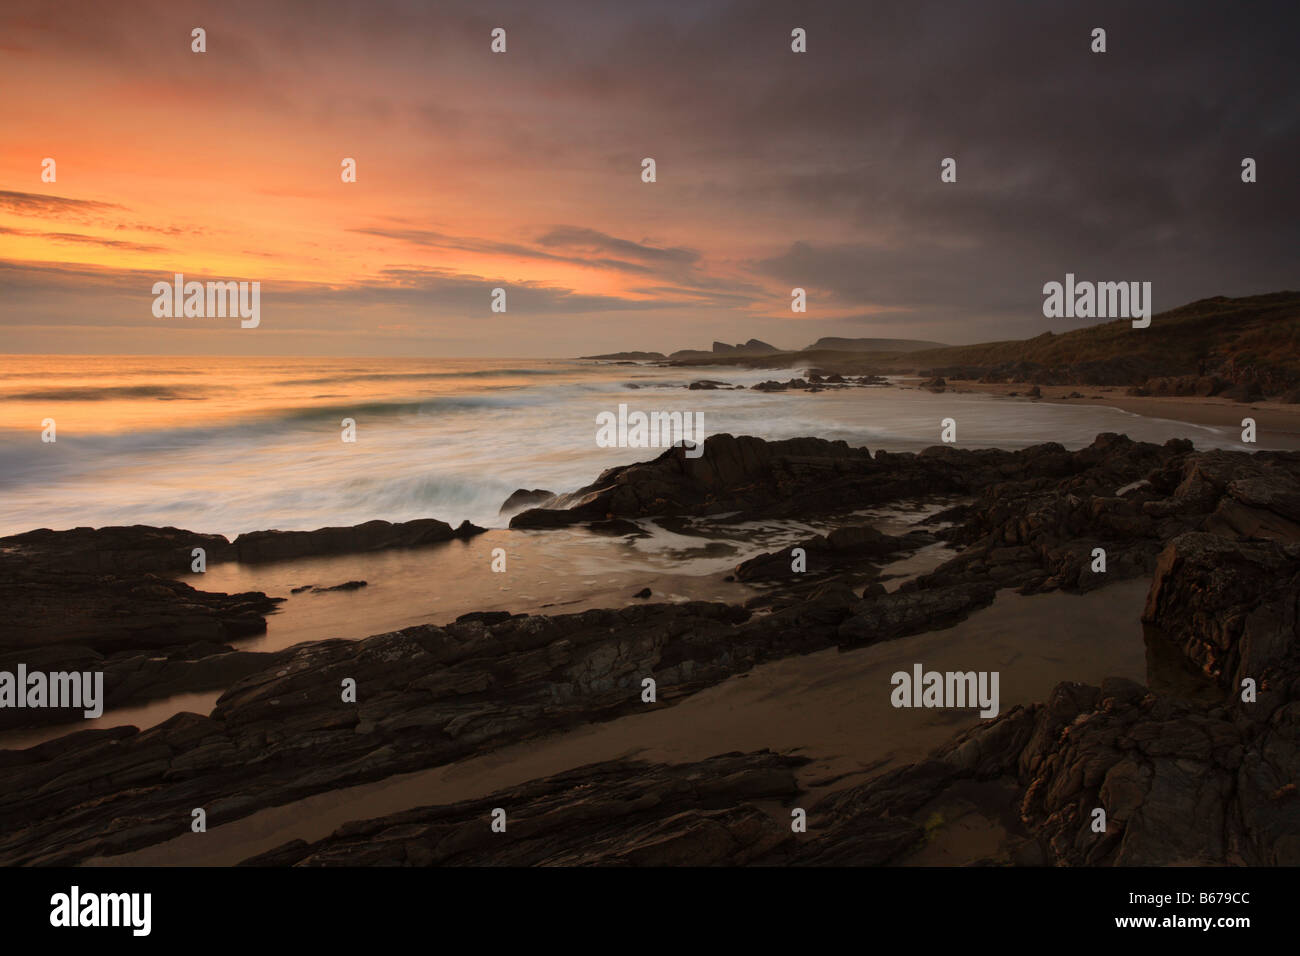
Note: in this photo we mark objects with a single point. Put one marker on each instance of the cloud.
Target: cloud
(39, 204)
(578, 237)
(78, 238)
(438, 240)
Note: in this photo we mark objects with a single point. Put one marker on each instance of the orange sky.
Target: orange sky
(520, 169)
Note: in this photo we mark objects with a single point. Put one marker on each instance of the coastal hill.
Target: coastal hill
(1243, 348)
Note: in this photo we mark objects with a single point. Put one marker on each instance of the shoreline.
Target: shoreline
(1278, 422)
(1183, 533)
(812, 705)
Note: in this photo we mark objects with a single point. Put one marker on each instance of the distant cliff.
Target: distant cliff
(833, 344)
(752, 347)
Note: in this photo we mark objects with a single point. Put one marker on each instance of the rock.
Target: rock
(523, 498)
(846, 545)
(618, 813)
(643, 593)
(1230, 606)
(345, 586)
(1185, 777)
(890, 616)
(110, 613)
(118, 550)
(371, 536)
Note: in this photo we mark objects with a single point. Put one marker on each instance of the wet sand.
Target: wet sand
(831, 706)
(1277, 424)
(559, 571)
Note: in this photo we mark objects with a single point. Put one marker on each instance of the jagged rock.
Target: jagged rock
(1184, 778)
(1231, 605)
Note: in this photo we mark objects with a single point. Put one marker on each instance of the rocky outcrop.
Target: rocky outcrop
(887, 616)
(1204, 775)
(1201, 778)
(370, 536)
(106, 613)
(1037, 518)
(426, 696)
(846, 545)
(106, 600)
(793, 478)
(1233, 608)
(116, 550)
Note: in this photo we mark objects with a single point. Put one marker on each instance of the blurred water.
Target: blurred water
(228, 445)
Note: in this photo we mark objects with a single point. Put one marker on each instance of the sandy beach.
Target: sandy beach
(831, 706)
(1278, 424)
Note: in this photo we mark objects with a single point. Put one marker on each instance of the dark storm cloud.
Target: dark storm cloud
(576, 237)
(1122, 165)
(438, 240)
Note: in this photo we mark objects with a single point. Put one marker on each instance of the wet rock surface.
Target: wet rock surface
(106, 600)
(620, 813)
(370, 536)
(1182, 778)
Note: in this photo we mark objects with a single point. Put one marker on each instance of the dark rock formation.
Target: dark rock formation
(345, 586)
(523, 498)
(106, 613)
(1207, 776)
(619, 813)
(117, 550)
(850, 544)
(370, 536)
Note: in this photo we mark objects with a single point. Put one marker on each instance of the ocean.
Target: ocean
(227, 445)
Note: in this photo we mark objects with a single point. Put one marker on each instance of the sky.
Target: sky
(522, 170)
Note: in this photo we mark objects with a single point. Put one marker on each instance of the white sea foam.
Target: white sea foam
(257, 445)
